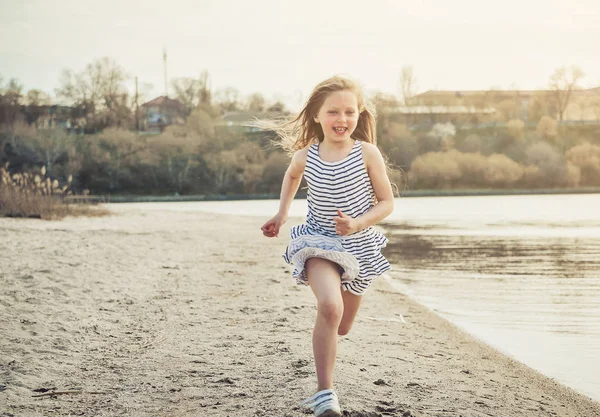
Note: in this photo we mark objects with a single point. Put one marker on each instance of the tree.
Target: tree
(99, 92)
(516, 129)
(238, 170)
(508, 109)
(500, 170)
(408, 85)
(116, 152)
(37, 98)
(192, 91)
(228, 99)
(277, 107)
(36, 104)
(552, 168)
(256, 103)
(174, 157)
(587, 158)
(562, 84)
(205, 94)
(200, 123)
(547, 128)
(434, 170)
(537, 107)
(51, 146)
(11, 98)
(186, 91)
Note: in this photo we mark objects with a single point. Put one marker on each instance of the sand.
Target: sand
(169, 313)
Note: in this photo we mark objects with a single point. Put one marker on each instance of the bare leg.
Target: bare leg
(351, 305)
(324, 280)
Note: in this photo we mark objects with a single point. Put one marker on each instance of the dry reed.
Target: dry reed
(34, 195)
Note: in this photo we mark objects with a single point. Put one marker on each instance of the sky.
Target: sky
(283, 48)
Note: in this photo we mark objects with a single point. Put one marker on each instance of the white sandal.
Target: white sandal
(324, 403)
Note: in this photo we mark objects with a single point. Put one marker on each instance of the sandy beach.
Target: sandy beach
(169, 313)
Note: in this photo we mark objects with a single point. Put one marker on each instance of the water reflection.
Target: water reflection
(556, 257)
(535, 298)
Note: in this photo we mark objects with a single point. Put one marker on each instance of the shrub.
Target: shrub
(516, 129)
(33, 195)
(552, 167)
(502, 171)
(587, 158)
(547, 128)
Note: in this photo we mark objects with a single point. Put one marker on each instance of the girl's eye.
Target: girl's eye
(350, 112)
(332, 112)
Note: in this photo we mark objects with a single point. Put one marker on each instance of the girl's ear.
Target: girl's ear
(316, 119)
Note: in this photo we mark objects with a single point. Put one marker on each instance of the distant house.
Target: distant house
(429, 115)
(52, 117)
(161, 112)
(584, 104)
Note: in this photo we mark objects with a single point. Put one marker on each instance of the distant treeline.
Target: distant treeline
(201, 157)
(196, 158)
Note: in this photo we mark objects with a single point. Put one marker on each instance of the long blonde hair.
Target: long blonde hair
(303, 131)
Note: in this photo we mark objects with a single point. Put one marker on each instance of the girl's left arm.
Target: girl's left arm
(381, 186)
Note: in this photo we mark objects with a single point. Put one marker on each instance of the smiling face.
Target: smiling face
(338, 116)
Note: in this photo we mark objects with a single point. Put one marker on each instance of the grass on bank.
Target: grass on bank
(34, 195)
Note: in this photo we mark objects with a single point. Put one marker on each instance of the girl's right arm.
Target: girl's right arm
(289, 188)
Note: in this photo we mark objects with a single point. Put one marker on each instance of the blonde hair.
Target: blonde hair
(303, 131)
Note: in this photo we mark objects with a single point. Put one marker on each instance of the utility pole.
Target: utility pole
(165, 65)
(137, 107)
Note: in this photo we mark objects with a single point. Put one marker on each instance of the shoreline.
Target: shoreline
(468, 335)
(405, 194)
(161, 313)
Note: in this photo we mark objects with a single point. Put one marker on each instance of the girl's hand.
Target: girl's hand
(271, 227)
(345, 225)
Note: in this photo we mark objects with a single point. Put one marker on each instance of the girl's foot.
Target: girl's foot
(324, 403)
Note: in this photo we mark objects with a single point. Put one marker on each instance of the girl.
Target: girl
(337, 252)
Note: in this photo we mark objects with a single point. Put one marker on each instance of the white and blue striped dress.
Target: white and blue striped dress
(343, 185)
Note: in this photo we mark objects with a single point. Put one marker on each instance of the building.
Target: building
(161, 112)
(527, 105)
(430, 115)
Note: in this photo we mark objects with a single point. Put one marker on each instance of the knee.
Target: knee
(331, 310)
(344, 329)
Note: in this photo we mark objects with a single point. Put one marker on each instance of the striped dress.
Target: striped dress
(343, 185)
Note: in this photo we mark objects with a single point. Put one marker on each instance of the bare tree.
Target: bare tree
(98, 91)
(51, 145)
(11, 97)
(99, 83)
(36, 104)
(205, 92)
(256, 102)
(407, 85)
(537, 107)
(37, 98)
(276, 107)
(228, 99)
(192, 91)
(187, 92)
(562, 84)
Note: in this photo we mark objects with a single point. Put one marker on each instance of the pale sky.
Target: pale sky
(284, 48)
